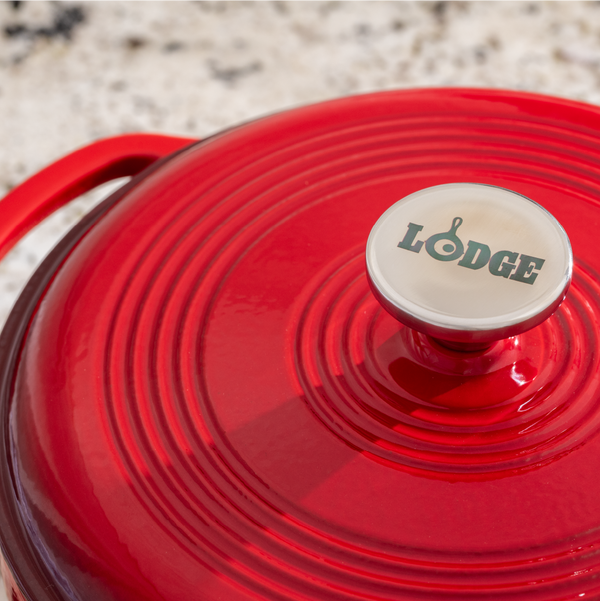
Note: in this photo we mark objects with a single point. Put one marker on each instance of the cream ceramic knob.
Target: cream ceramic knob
(469, 264)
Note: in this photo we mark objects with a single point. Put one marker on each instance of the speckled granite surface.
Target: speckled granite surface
(74, 72)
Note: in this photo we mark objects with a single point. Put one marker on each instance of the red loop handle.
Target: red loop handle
(39, 196)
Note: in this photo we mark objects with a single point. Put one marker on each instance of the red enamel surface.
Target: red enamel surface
(210, 404)
(121, 156)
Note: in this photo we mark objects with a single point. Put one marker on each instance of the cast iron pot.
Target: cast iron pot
(202, 399)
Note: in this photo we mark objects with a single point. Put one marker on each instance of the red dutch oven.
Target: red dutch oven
(203, 398)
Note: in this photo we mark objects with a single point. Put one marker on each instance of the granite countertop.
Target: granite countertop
(73, 72)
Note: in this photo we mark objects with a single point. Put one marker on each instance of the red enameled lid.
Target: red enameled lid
(210, 403)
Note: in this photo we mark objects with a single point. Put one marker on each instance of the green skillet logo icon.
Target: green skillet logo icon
(447, 246)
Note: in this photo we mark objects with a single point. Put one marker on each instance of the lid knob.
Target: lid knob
(469, 264)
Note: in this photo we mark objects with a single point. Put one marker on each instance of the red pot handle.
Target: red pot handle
(99, 162)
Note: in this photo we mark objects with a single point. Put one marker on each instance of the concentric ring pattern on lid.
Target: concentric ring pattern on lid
(211, 404)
